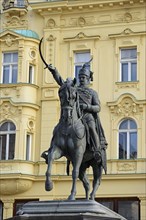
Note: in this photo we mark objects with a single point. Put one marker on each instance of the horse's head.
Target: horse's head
(68, 99)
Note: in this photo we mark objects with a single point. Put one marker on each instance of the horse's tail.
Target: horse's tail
(67, 167)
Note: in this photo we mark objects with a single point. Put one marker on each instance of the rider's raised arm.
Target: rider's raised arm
(56, 75)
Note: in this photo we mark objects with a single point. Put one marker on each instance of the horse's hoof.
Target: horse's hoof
(71, 197)
(48, 186)
(92, 197)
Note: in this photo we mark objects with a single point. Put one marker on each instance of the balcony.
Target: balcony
(7, 4)
(20, 94)
(15, 7)
(16, 176)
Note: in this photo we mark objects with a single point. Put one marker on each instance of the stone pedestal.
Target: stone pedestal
(66, 210)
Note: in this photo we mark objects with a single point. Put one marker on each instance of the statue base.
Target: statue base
(65, 210)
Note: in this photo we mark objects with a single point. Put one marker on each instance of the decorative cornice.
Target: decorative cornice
(127, 32)
(82, 5)
(7, 106)
(10, 85)
(81, 36)
(10, 36)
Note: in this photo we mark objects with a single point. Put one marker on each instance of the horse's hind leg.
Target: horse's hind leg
(84, 179)
(97, 173)
(53, 153)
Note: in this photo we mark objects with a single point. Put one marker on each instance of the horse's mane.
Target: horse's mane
(71, 87)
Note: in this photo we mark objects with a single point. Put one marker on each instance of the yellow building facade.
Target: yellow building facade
(113, 32)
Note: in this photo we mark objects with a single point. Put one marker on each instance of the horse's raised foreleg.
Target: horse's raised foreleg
(84, 179)
(75, 175)
(97, 173)
(54, 153)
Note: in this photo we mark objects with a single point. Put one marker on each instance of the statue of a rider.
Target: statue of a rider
(90, 107)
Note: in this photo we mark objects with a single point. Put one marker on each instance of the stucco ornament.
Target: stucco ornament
(126, 107)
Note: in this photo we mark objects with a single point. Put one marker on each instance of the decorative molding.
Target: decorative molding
(82, 6)
(125, 166)
(7, 110)
(10, 186)
(125, 85)
(51, 38)
(82, 36)
(127, 32)
(31, 124)
(49, 93)
(90, 13)
(50, 23)
(32, 53)
(9, 39)
(126, 106)
(81, 21)
(51, 48)
(15, 22)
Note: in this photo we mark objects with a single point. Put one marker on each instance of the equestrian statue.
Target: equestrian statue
(79, 135)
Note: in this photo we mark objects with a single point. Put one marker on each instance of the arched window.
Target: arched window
(128, 139)
(7, 140)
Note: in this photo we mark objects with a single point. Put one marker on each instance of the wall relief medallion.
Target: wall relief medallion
(51, 23)
(81, 21)
(127, 17)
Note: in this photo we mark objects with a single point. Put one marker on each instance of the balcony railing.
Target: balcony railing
(7, 4)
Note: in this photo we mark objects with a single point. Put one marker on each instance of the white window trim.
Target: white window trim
(7, 133)
(80, 63)
(128, 61)
(28, 154)
(10, 66)
(127, 131)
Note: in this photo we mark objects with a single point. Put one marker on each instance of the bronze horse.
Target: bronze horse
(69, 140)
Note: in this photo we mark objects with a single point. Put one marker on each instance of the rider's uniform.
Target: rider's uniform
(89, 97)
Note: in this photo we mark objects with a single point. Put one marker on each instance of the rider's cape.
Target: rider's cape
(103, 142)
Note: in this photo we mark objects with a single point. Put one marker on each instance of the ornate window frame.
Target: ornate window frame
(125, 152)
(126, 106)
(127, 39)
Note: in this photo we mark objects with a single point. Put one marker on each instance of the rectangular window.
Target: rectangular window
(129, 209)
(31, 74)
(20, 2)
(10, 67)
(80, 58)
(28, 146)
(128, 64)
